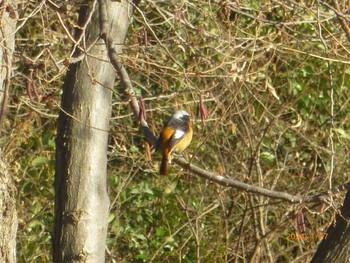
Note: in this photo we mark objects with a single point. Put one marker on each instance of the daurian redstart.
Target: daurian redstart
(176, 135)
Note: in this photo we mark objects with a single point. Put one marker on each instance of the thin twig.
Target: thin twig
(330, 177)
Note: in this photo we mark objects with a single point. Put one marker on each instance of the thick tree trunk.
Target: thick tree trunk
(81, 200)
(336, 246)
(7, 37)
(8, 215)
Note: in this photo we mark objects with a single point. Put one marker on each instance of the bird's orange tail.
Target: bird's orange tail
(164, 166)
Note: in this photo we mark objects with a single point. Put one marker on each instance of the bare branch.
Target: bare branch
(342, 21)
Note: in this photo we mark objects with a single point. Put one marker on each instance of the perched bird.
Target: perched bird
(176, 135)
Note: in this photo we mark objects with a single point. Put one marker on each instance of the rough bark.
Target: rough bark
(336, 247)
(8, 215)
(81, 200)
(8, 22)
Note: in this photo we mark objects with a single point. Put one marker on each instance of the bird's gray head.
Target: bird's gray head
(180, 114)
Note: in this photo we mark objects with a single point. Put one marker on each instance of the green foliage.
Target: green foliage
(268, 76)
(36, 195)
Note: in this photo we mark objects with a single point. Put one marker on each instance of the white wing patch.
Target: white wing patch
(178, 134)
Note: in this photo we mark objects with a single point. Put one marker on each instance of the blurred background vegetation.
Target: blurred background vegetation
(274, 76)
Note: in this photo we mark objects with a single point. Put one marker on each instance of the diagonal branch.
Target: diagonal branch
(342, 21)
(122, 73)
